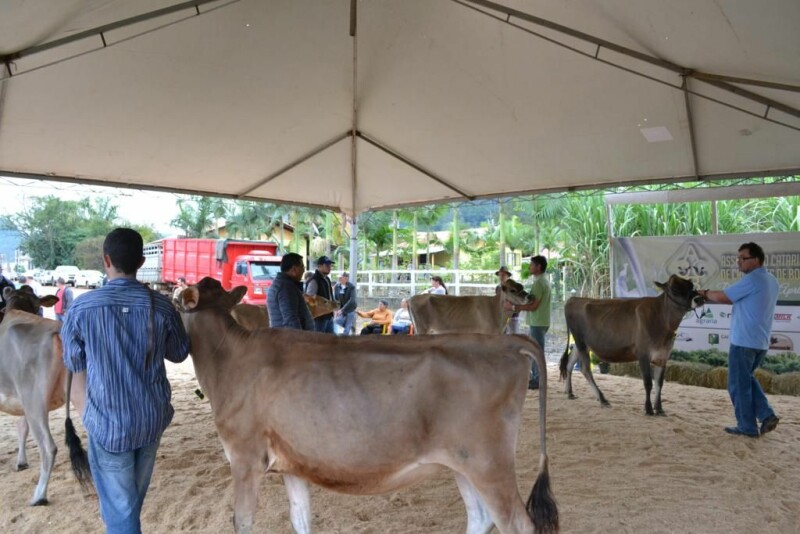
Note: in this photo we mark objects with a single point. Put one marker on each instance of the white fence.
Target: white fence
(400, 284)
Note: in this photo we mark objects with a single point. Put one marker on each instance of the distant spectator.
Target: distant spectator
(513, 323)
(176, 293)
(401, 323)
(64, 294)
(437, 286)
(4, 283)
(345, 294)
(381, 316)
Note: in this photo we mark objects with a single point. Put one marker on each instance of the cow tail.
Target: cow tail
(541, 505)
(77, 455)
(562, 365)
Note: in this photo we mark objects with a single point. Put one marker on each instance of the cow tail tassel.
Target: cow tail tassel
(77, 454)
(562, 365)
(541, 505)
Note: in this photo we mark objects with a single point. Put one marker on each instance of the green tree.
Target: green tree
(197, 216)
(89, 253)
(51, 228)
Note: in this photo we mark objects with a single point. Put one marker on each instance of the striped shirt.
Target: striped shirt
(105, 334)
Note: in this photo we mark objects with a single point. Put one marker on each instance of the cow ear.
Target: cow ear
(189, 298)
(7, 292)
(48, 300)
(661, 286)
(238, 293)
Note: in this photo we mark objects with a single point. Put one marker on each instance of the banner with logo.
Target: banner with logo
(710, 262)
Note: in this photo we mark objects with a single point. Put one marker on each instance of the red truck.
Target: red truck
(233, 262)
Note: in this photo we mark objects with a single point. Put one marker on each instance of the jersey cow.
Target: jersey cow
(627, 330)
(367, 414)
(319, 306)
(33, 377)
(445, 314)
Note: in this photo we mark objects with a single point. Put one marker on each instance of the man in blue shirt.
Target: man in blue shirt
(754, 298)
(120, 335)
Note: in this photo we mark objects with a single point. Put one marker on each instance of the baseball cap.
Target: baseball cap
(503, 269)
(324, 260)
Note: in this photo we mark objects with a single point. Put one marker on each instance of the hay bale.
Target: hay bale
(717, 378)
(688, 373)
(765, 378)
(786, 384)
(625, 369)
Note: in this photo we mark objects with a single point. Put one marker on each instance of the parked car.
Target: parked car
(46, 278)
(67, 272)
(89, 278)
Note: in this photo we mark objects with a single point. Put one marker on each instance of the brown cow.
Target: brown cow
(367, 414)
(627, 330)
(444, 314)
(250, 316)
(33, 377)
(319, 306)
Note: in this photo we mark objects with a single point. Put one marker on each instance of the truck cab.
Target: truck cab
(257, 273)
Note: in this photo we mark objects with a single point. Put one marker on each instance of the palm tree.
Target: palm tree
(197, 215)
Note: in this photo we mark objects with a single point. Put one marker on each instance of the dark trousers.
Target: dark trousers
(372, 328)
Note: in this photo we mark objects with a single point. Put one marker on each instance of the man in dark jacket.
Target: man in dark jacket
(345, 294)
(285, 303)
(320, 285)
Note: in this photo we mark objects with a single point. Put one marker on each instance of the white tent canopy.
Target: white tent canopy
(453, 99)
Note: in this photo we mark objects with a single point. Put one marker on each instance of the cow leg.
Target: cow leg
(658, 374)
(299, 503)
(586, 371)
(37, 418)
(501, 497)
(573, 357)
(647, 378)
(478, 519)
(22, 438)
(245, 493)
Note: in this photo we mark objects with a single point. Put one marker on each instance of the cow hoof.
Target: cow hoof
(661, 413)
(40, 502)
(22, 467)
(649, 412)
(605, 404)
(571, 396)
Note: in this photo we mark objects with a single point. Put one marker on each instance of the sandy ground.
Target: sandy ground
(613, 470)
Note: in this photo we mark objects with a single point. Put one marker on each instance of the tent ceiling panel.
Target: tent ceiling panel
(255, 97)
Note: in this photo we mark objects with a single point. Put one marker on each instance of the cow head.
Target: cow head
(514, 292)
(682, 292)
(319, 306)
(209, 293)
(24, 299)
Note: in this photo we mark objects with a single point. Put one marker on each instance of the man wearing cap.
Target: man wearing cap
(320, 285)
(538, 310)
(345, 293)
(513, 322)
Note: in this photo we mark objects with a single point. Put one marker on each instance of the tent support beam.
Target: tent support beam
(295, 163)
(690, 119)
(413, 165)
(714, 80)
(100, 30)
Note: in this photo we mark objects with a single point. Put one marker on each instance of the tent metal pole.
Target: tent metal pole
(353, 147)
(714, 80)
(417, 167)
(689, 117)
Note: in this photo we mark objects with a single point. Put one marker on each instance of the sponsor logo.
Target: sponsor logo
(783, 317)
(693, 261)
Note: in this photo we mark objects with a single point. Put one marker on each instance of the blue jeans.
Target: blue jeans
(537, 333)
(348, 322)
(324, 324)
(121, 480)
(749, 402)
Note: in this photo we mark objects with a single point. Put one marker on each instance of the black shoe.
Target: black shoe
(769, 424)
(736, 432)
